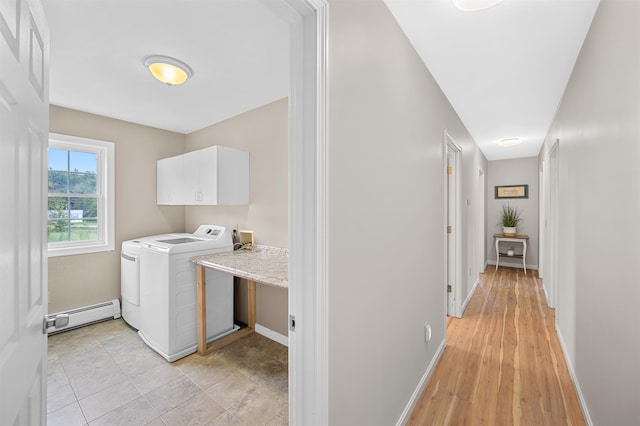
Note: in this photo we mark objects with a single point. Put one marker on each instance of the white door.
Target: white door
(451, 229)
(482, 240)
(552, 233)
(24, 122)
(542, 197)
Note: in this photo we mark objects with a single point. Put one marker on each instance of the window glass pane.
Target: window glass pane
(82, 172)
(58, 224)
(83, 219)
(58, 159)
(82, 183)
(72, 219)
(85, 162)
(58, 170)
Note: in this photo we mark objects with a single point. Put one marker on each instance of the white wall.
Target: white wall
(513, 172)
(598, 125)
(387, 118)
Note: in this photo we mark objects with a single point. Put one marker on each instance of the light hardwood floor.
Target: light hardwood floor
(503, 364)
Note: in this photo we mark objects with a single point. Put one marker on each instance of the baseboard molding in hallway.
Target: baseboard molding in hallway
(503, 363)
(421, 385)
(576, 384)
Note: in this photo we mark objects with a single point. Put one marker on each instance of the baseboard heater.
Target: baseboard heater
(89, 315)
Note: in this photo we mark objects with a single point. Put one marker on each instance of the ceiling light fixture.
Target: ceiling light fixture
(474, 5)
(168, 70)
(510, 142)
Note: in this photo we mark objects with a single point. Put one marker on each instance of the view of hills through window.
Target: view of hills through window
(73, 196)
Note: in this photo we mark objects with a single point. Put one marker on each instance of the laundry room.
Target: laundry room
(80, 280)
(169, 123)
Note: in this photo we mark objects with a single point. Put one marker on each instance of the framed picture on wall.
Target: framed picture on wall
(512, 191)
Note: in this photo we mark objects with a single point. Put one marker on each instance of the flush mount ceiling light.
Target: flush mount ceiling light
(474, 5)
(510, 142)
(168, 70)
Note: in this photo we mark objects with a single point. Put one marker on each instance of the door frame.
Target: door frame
(308, 214)
(308, 344)
(455, 191)
(481, 223)
(552, 233)
(542, 224)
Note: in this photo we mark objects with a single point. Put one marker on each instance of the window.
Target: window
(81, 206)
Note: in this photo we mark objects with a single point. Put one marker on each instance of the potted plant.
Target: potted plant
(510, 219)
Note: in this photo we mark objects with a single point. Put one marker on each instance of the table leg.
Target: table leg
(497, 254)
(201, 301)
(251, 304)
(524, 255)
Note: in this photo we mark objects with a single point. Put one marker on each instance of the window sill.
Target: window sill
(75, 250)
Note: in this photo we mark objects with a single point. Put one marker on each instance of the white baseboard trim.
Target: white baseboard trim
(404, 418)
(468, 299)
(515, 265)
(546, 295)
(273, 335)
(574, 379)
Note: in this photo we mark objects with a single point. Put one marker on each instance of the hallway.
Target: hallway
(503, 364)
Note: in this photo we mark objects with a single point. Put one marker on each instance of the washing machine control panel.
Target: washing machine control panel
(210, 231)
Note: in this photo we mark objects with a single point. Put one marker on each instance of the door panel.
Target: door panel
(451, 224)
(24, 132)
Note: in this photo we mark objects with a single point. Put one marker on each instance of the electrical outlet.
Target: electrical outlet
(427, 332)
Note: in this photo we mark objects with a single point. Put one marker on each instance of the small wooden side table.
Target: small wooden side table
(514, 239)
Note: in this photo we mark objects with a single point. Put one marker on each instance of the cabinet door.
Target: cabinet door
(170, 181)
(201, 177)
(209, 176)
(233, 176)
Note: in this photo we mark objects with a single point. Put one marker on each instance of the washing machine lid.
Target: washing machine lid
(181, 240)
(211, 238)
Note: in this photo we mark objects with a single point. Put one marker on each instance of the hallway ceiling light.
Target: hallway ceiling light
(510, 142)
(168, 70)
(474, 5)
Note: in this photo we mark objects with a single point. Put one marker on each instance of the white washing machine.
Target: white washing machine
(158, 286)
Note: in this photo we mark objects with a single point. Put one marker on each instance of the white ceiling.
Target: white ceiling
(238, 49)
(503, 69)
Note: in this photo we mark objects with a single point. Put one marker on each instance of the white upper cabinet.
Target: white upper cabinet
(170, 181)
(211, 176)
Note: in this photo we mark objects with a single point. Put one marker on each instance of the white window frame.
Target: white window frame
(106, 195)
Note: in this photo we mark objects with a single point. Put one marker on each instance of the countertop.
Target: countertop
(263, 264)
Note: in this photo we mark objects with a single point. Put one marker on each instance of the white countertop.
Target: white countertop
(263, 264)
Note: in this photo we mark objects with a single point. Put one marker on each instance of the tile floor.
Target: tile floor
(104, 374)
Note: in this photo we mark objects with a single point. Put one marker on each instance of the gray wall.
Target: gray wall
(76, 281)
(513, 172)
(387, 118)
(598, 125)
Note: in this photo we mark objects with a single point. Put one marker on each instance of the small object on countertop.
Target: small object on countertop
(245, 237)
